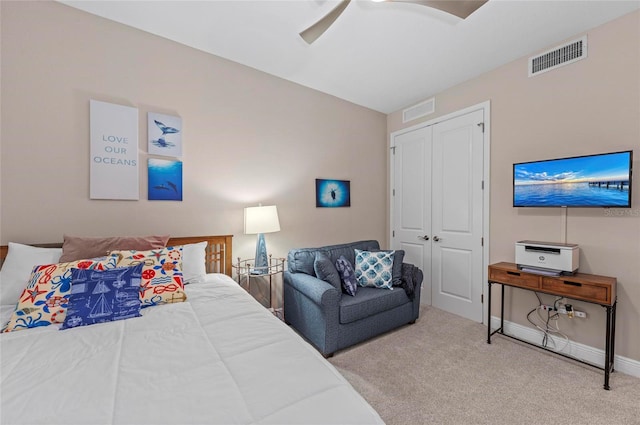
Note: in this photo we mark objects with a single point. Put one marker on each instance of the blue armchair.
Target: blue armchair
(332, 320)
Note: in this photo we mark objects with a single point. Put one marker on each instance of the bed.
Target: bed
(218, 358)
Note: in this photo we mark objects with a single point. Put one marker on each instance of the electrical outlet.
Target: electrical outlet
(545, 307)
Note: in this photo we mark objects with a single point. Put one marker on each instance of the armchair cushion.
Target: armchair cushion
(369, 302)
(325, 270)
(301, 260)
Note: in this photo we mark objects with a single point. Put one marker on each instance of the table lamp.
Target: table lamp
(259, 220)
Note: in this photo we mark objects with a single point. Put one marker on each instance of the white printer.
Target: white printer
(547, 257)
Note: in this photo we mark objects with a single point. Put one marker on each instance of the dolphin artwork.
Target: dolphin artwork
(173, 186)
(165, 179)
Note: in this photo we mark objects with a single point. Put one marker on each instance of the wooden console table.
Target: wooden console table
(590, 288)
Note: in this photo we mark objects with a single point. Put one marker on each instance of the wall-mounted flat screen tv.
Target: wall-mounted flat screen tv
(602, 180)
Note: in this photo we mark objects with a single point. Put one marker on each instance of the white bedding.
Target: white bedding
(218, 358)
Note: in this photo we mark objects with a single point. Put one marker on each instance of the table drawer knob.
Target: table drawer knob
(568, 282)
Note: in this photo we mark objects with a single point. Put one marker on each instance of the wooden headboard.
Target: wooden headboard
(218, 254)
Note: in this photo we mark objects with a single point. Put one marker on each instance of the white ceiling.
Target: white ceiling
(384, 56)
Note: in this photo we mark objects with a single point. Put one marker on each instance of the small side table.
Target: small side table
(245, 272)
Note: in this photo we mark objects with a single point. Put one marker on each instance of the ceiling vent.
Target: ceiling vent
(558, 56)
(420, 110)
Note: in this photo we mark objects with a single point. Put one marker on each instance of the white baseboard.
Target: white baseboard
(575, 349)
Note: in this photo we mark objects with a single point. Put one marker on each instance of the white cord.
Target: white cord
(547, 327)
(566, 338)
(555, 330)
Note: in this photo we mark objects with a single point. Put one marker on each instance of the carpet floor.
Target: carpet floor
(441, 370)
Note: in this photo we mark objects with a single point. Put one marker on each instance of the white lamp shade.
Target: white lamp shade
(261, 220)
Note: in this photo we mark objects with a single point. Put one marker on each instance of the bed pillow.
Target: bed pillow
(162, 280)
(44, 300)
(374, 269)
(76, 248)
(103, 296)
(194, 268)
(18, 265)
(347, 276)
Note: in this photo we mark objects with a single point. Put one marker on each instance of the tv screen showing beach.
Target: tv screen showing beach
(587, 181)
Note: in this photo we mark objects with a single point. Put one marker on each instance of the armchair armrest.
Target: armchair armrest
(311, 307)
(317, 290)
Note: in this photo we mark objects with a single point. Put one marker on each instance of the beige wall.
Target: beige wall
(248, 138)
(591, 106)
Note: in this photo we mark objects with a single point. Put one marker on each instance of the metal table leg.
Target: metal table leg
(607, 349)
(489, 314)
(502, 310)
(613, 333)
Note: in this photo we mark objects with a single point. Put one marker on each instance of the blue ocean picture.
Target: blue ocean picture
(333, 193)
(587, 181)
(165, 180)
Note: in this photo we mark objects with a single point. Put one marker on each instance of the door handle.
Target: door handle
(436, 239)
(425, 237)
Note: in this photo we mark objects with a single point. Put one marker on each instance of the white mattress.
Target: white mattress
(219, 358)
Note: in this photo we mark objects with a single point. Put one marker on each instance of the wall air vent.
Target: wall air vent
(420, 110)
(558, 56)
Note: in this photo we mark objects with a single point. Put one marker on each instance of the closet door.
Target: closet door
(438, 210)
(412, 201)
(456, 216)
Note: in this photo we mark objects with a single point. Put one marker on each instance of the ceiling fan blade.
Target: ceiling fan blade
(459, 8)
(312, 33)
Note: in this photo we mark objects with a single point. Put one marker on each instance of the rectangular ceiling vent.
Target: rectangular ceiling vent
(420, 110)
(558, 56)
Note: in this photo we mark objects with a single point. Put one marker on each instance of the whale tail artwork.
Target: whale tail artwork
(167, 130)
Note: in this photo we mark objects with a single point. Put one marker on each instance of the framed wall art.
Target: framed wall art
(165, 180)
(333, 193)
(165, 135)
(113, 165)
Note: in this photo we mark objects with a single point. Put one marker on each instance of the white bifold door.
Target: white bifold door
(438, 210)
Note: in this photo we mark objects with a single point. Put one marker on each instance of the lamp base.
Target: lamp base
(261, 265)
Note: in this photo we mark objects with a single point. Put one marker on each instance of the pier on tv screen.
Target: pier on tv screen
(602, 180)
